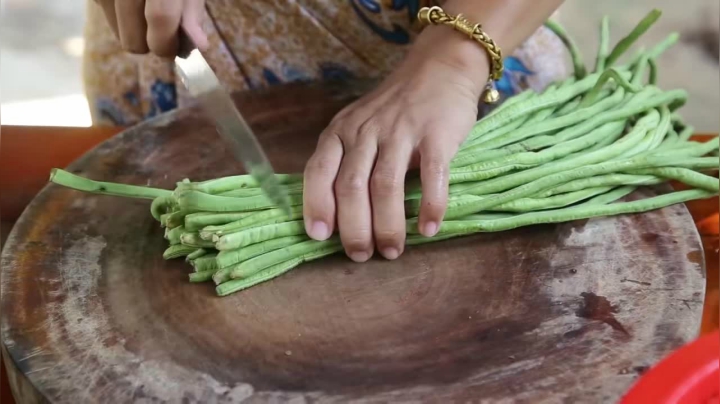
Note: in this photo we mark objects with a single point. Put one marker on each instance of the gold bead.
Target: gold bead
(491, 96)
(424, 14)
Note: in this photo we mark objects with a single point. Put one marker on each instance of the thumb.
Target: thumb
(192, 19)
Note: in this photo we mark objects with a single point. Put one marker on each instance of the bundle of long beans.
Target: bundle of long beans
(570, 152)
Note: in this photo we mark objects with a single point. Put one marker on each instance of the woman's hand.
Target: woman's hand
(417, 117)
(144, 26)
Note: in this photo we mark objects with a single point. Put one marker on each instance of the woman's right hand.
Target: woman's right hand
(144, 26)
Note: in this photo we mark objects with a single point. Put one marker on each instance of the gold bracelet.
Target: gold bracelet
(437, 16)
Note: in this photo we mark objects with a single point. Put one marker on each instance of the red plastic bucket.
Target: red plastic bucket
(690, 375)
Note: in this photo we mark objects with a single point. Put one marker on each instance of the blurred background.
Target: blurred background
(40, 63)
(42, 45)
(41, 48)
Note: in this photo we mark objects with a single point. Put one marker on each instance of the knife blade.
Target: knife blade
(203, 85)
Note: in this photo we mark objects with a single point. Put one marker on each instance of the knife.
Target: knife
(203, 84)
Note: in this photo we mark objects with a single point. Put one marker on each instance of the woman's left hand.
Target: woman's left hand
(417, 118)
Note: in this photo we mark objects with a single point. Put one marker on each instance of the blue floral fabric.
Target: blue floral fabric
(266, 43)
(514, 78)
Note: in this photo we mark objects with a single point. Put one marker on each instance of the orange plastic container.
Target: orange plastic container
(690, 375)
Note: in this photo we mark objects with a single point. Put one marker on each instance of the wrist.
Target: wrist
(464, 56)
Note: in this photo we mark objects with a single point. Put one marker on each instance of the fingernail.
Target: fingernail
(359, 256)
(318, 230)
(390, 253)
(430, 229)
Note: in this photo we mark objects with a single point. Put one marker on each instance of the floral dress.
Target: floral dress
(259, 43)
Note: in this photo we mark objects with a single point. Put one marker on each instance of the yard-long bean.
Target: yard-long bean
(569, 214)
(575, 55)
(604, 48)
(67, 179)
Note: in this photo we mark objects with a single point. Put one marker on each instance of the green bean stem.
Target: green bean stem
(194, 240)
(538, 103)
(518, 205)
(604, 48)
(575, 55)
(173, 235)
(591, 170)
(162, 208)
(483, 171)
(198, 221)
(250, 267)
(568, 214)
(604, 77)
(628, 41)
(197, 254)
(176, 218)
(226, 184)
(606, 180)
(228, 258)
(205, 263)
(177, 251)
(522, 177)
(203, 276)
(684, 175)
(260, 218)
(274, 271)
(200, 201)
(69, 180)
(259, 234)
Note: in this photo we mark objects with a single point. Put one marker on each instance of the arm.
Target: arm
(509, 23)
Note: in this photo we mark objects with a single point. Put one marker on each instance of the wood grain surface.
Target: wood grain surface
(91, 313)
